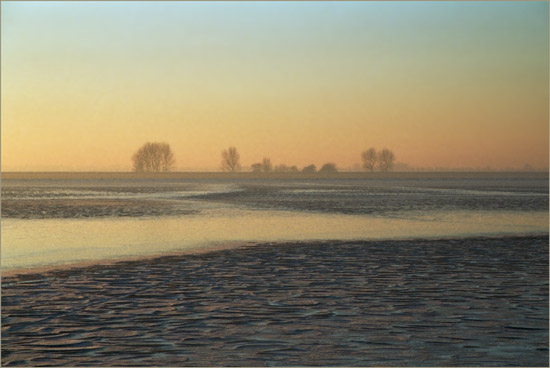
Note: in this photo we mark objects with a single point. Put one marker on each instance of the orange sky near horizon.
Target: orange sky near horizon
(84, 85)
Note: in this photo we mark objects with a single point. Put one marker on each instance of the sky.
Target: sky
(441, 84)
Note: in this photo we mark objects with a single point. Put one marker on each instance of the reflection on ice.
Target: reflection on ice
(35, 243)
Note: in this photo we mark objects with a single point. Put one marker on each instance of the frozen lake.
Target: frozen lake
(52, 222)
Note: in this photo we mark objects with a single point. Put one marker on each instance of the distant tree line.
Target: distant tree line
(158, 157)
(266, 166)
(230, 160)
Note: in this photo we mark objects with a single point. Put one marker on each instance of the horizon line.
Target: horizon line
(427, 170)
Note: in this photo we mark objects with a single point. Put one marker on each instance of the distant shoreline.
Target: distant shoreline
(273, 175)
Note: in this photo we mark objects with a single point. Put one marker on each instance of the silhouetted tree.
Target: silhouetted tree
(328, 168)
(369, 158)
(230, 160)
(153, 157)
(266, 165)
(309, 169)
(386, 158)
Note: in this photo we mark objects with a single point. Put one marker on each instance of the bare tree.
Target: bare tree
(386, 158)
(309, 169)
(328, 168)
(167, 157)
(230, 160)
(369, 158)
(153, 157)
(266, 165)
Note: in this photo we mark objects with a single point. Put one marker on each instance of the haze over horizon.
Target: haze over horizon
(442, 84)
